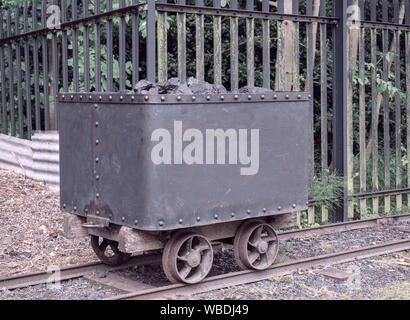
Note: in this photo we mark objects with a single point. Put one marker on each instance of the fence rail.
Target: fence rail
(353, 57)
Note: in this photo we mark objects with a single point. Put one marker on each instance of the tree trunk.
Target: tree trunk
(285, 52)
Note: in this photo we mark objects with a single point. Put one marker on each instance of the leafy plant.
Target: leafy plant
(328, 191)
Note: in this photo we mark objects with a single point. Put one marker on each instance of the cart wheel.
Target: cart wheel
(187, 258)
(166, 260)
(236, 244)
(256, 245)
(113, 257)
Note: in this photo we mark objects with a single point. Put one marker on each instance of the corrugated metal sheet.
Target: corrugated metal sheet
(16, 155)
(37, 159)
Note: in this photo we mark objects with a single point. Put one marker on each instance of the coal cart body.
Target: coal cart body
(169, 170)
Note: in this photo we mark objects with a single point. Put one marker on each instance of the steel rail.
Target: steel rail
(26, 280)
(73, 272)
(250, 276)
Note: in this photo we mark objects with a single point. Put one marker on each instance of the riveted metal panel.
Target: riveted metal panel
(124, 184)
(76, 157)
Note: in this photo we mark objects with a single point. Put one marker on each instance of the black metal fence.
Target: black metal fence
(340, 51)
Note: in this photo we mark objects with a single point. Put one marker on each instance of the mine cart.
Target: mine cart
(177, 174)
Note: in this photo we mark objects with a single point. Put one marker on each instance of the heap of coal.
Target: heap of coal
(191, 87)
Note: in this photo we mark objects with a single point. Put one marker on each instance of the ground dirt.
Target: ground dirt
(31, 235)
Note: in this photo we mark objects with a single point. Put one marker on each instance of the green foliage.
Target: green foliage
(6, 4)
(382, 85)
(328, 191)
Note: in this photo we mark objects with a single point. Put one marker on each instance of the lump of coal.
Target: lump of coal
(204, 88)
(183, 90)
(201, 88)
(219, 89)
(191, 87)
(169, 86)
(143, 85)
(152, 91)
(255, 90)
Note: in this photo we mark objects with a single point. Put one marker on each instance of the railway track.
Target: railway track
(249, 276)
(74, 272)
(222, 281)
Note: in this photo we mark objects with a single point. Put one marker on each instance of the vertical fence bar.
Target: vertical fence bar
(234, 48)
(339, 99)
(281, 68)
(200, 42)
(11, 76)
(64, 46)
(386, 104)
(374, 127)
(162, 44)
(407, 68)
(36, 68)
(44, 45)
(97, 45)
(266, 46)
(349, 121)
(1, 83)
(349, 124)
(217, 20)
(362, 115)
(135, 44)
(181, 30)
(296, 44)
(3, 80)
(19, 75)
(56, 76)
(151, 50)
(122, 52)
(27, 73)
(397, 107)
(309, 86)
(281, 6)
(86, 42)
(323, 102)
(109, 50)
(250, 45)
(76, 80)
(296, 60)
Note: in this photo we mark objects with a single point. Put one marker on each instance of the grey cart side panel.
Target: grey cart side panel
(139, 194)
(76, 157)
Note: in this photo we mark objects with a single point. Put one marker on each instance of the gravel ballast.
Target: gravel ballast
(76, 289)
(385, 277)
